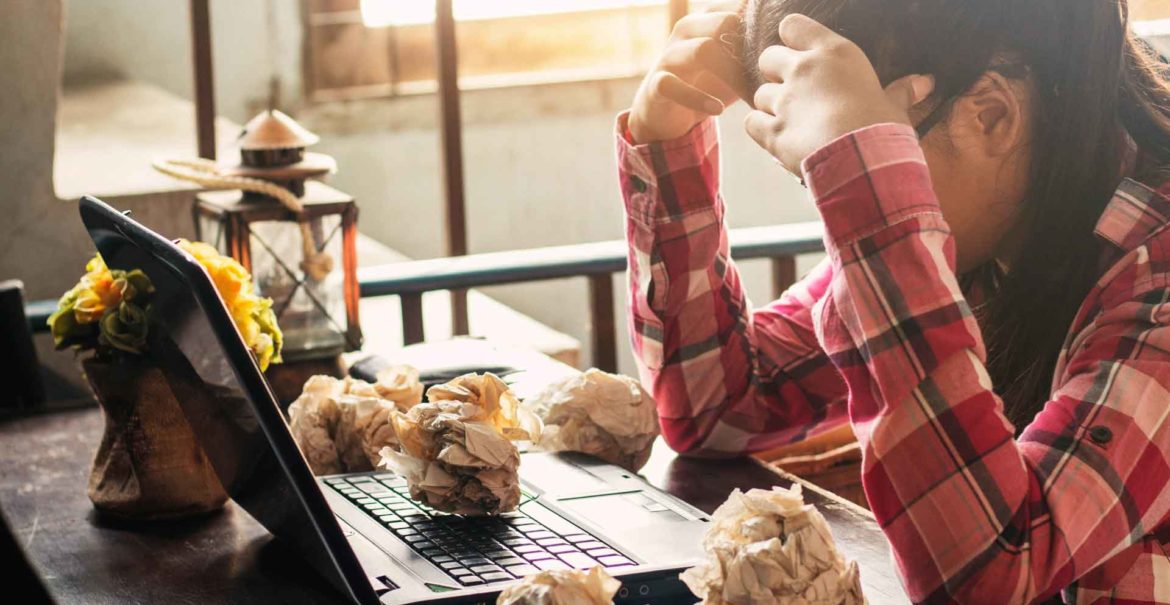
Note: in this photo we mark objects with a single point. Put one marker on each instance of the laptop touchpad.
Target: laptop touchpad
(641, 525)
(620, 511)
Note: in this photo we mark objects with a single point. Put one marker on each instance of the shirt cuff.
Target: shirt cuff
(667, 180)
(869, 179)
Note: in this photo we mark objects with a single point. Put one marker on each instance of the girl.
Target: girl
(992, 317)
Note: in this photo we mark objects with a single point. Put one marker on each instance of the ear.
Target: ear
(993, 114)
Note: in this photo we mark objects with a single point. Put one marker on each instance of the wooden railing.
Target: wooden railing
(596, 262)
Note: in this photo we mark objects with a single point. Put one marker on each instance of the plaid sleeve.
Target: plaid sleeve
(727, 379)
(973, 514)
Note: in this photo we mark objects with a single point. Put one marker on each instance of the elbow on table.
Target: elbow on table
(687, 438)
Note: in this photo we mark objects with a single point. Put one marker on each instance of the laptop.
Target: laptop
(362, 531)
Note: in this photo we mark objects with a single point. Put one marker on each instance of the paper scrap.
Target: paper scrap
(769, 547)
(562, 587)
(456, 451)
(606, 415)
(341, 425)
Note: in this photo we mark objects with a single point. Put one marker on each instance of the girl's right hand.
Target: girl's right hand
(697, 76)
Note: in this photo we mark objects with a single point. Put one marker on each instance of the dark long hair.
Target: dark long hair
(1093, 83)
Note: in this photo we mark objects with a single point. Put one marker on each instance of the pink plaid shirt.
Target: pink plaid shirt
(880, 335)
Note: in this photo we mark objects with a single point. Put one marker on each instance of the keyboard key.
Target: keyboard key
(459, 571)
(578, 560)
(497, 576)
(335, 480)
(615, 561)
(541, 534)
(481, 569)
(602, 552)
(516, 541)
(469, 580)
(415, 537)
(555, 523)
(521, 570)
(550, 542)
(525, 548)
(449, 565)
(558, 549)
(441, 558)
(506, 561)
(432, 552)
(472, 561)
(577, 538)
(551, 564)
(536, 556)
(407, 531)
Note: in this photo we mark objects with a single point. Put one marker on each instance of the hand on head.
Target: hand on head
(697, 76)
(819, 86)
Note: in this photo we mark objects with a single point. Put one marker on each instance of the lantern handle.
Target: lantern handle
(316, 264)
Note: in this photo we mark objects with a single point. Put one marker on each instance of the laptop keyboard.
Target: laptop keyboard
(477, 550)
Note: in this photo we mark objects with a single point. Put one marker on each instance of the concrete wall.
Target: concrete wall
(150, 40)
(540, 172)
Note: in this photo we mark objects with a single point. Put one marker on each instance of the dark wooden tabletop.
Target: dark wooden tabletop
(228, 557)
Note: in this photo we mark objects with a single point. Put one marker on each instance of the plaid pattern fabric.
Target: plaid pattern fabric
(882, 335)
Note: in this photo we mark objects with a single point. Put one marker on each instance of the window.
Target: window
(372, 48)
(1149, 9)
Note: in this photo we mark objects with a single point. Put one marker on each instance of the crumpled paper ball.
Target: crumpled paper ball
(606, 415)
(562, 587)
(342, 425)
(769, 547)
(456, 450)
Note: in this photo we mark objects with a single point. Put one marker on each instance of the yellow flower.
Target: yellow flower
(251, 313)
(201, 251)
(100, 295)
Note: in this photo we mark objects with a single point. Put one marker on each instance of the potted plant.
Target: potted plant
(149, 465)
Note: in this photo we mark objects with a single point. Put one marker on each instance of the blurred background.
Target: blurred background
(105, 86)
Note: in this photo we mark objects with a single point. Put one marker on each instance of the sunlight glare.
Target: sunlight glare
(384, 13)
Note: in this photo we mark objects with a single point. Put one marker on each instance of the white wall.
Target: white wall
(538, 173)
(151, 40)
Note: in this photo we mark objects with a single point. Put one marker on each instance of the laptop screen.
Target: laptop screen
(225, 398)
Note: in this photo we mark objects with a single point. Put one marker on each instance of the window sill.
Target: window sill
(494, 100)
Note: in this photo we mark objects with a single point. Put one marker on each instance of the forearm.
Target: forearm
(723, 375)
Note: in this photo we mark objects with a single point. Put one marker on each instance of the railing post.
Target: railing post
(451, 125)
(783, 274)
(602, 324)
(204, 78)
(412, 319)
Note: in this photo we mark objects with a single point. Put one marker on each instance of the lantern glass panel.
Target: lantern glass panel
(311, 312)
(211, 231)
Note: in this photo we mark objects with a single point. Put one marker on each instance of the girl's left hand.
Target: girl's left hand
(820, 87)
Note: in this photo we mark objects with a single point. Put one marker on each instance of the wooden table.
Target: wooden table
(228, 557)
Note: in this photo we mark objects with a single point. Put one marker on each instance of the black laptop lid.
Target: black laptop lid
(225, 397)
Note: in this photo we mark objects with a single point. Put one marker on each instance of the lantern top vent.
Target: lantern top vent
(272, 129)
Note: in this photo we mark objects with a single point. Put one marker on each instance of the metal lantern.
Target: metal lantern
(306, 263)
